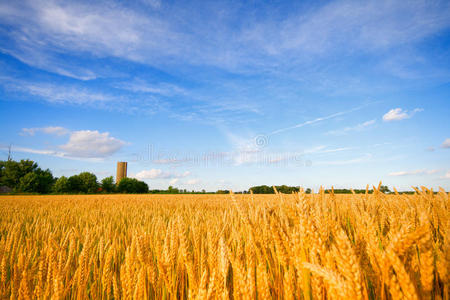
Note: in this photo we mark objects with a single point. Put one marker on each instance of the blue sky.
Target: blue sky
(230, 94)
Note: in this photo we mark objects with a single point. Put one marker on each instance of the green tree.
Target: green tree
(108, 185)
(25, 176)
(384, 189)
(132, 186)
(172, 190)
(223, 192)
(46, 181)
(28, 183)
(89, 182)
(141, 187)
(262, 189)
(61, 185)
(12, 171)
(75, 184)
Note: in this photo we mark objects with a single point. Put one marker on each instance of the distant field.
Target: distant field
(294, 246)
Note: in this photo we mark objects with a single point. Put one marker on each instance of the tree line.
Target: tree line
(265, 189)
(26, 176)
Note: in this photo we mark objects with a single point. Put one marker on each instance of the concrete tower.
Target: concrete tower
(121, 170)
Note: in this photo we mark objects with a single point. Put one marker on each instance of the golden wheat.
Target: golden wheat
(299, 246)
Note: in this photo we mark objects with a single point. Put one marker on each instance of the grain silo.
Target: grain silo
(121, 170)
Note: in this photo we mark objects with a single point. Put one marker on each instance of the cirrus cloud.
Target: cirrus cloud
(55, 130)
(413, 172)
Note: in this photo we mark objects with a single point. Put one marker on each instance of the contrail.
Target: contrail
(316, 120)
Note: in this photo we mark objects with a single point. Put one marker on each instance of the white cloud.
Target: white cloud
(152, 174)
(91, 143)
(446, 144)
(397, 114)
(414, 172)
(193, 181)
(174, 180)
(45, 28)
(38, 151)
(446, 176)
(359, 127)
(40, 30)
(49, 153)
(185, 174)
(55, 130)
(159, 174)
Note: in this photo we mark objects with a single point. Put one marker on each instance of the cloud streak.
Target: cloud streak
(54, 130)
(342, 162)
(54, 153)
(316, 120)
(413, 172)
(357, 128)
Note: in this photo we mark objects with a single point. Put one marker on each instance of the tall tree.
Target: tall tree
(25, 176)
(132, 186)
(61, 185)
(75, 184)
(108, 185)
(89, 182)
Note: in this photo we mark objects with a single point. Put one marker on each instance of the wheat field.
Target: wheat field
(282, 246)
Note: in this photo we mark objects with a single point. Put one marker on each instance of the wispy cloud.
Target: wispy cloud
(63, 94)
(80, 95)
(446, 144)
(169, 161)
(398, 114)
(316, 120)
(193, 181)
(413, 172)
(174, 180)
(152, 3)
(43, 29)
(54, 153)
(356, 128)
(55, 130)
(141, 86)
(38, 151)
(356, 160)
(82, 144)
(160, 174)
